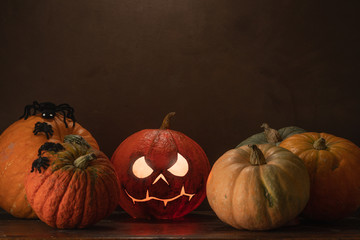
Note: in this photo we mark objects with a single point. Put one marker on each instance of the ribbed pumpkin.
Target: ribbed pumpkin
(79, 188)
(270, 135)
(334, 168)
(162, 173)
(18, 149)
(258, 188)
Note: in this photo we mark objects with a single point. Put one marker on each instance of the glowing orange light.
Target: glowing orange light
(162, 177)
(165, 201)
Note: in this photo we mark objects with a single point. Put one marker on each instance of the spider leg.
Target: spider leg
(69, 110)
(27, 111)
(32, 167)
(64, 105)
(72, 117)
(36, 107)
(36, 128)
(49, 132)
(45, 164)
(64, 114)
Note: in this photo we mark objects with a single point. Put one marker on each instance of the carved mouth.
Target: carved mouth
(165, 201)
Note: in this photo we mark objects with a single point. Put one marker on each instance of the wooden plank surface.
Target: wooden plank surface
(197, 225)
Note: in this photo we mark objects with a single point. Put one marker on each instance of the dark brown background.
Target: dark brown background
(224, 66)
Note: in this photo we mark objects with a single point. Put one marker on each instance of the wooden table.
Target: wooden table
(197, 225)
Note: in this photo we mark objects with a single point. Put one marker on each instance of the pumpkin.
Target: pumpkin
(334, 168)
(270, 135)
(258, 188)
(162, 173)
(78, 189)
(18, 148)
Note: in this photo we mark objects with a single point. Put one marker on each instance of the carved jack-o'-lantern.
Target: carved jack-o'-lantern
(162, 173)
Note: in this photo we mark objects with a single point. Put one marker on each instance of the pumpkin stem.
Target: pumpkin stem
(256, 156)
(166, 122)
(320, 144)
(83, 161)
(272, 135)
(78, 151)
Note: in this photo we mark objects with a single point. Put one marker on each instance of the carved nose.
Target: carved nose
(162, 177)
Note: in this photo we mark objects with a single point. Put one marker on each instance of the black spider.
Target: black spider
(43, 162)
(43, 127)
(50, 147)
(48, 110)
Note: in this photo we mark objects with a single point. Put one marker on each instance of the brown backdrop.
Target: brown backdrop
(224, 66)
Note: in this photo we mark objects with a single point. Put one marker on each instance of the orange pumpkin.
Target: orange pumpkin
(78, 189)
(162, 173)
(18, 149)
(258, 188)
(334, 168)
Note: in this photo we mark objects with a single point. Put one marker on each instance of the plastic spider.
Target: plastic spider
(43, 162)
(49, 110)
(43, 127)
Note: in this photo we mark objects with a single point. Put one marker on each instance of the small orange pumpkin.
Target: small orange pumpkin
(19, 148)
(334, 168)
(258, 188)
(78, 189)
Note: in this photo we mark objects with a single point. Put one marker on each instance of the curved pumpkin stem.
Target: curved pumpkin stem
(166, 122)
(78, 151)
(320, 144)
(256, 156)
(272, 135)
(83, 161)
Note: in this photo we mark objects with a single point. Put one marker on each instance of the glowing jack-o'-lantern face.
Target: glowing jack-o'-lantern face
(162, 174)
(142, 170)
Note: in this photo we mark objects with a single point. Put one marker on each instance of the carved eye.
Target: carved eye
(141, 169)
(181, 166)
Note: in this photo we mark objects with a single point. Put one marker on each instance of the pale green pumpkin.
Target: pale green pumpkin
(271, 135)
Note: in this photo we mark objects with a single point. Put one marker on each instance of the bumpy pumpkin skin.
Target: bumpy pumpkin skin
(334, 174)
(18, 149)
(258, 197)
(66, 196)
(160, 148)
(260, 138)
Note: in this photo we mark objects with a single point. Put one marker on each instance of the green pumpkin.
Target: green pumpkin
(271, 135)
